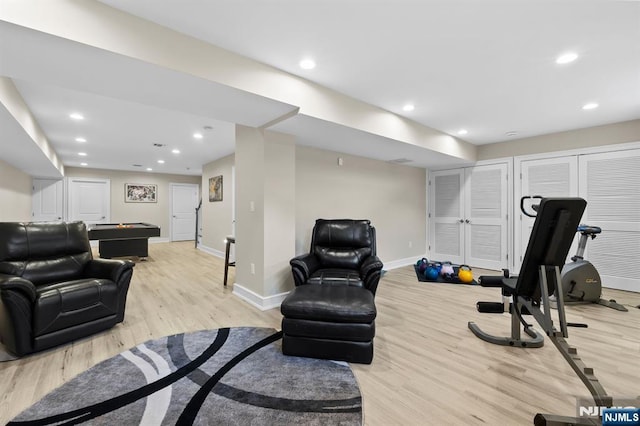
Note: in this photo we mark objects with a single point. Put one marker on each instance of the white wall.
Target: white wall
(15, 194)
(155, 213)
(392, 196)
(628, 131)
(217, 215)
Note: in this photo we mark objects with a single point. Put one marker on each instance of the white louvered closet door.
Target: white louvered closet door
(548, 177)
(446, 214)
(485, 221)
(610, 182)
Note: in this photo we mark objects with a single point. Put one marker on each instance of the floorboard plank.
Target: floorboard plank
(428, 368)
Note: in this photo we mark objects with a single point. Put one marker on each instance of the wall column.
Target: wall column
(265, 215)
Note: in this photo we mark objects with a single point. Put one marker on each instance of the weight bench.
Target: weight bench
(547, 250)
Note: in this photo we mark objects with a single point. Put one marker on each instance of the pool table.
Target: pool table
(123, 239)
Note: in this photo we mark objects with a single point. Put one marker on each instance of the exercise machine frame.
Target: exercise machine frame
(529, 293)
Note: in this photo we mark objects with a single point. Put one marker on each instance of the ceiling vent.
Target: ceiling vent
(137, 165)
(400, 161)
(159, 145)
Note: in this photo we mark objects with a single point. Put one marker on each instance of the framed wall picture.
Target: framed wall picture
(215, 188)
(140, 193)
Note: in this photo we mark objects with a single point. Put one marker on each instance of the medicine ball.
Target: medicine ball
(465, 274)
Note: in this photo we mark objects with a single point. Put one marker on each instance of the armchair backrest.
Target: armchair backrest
(44, 252)
(343, 243)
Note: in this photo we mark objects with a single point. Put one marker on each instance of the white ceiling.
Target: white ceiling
(483, 65)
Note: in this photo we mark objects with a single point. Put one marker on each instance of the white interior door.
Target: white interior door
(485, 218)
(446, 216)
(610, 182)
(184, 200)
(548, 177)
(47, 200)
(89, 200)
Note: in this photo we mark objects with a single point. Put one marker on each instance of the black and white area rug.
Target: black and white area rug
(230, 376)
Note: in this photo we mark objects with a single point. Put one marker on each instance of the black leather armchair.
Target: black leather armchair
(343, 252)
(52, 291)
(331, 311)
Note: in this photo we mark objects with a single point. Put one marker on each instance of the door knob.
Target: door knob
(467, 221)
(461, 221)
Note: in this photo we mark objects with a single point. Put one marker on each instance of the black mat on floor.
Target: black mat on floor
(422, 278)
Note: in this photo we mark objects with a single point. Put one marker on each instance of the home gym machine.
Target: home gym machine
(549, 244)
(581, 281)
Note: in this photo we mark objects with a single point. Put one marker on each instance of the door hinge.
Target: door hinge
(507, 256)
(520, 258)
(520, 176)
(429, 214)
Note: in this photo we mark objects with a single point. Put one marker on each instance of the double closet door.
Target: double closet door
(610, 182)
(468, 215)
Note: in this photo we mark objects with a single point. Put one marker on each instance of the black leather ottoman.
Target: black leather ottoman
(329, 322)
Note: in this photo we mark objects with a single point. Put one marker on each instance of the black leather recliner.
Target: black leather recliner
(52, 291)
(331, 312)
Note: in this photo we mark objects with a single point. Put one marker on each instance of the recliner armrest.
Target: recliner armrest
(370, 265)
(303, 266)
(107, 268)
(370, 271)
(14, 283)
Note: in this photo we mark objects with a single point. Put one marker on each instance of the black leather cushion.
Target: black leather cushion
(336, 277)
(330, 303)
(354, 332)
(44, 252)
(340, 350)
(66, 304)
(342, 243)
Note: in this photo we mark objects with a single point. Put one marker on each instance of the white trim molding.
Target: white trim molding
(260, 302)
(212, 251)
(395, 264)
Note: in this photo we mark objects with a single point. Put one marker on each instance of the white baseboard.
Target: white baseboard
(154, 240)
(212, 251)
(394, 264)
(260, 302)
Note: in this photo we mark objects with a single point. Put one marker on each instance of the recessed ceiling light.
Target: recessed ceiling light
(307, 64)
(590, 105)
(83, 164)
(76, 116)
(82, 154)
(81, 140)
(462, 132)
(408, 107)
(511, 133)
(566, 58)
(149, 169)
(175, 151)
(197, 135)
(160, 161)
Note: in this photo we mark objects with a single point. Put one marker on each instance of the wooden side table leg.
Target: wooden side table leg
(226, 261)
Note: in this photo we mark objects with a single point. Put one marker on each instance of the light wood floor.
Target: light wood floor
(428, 368)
